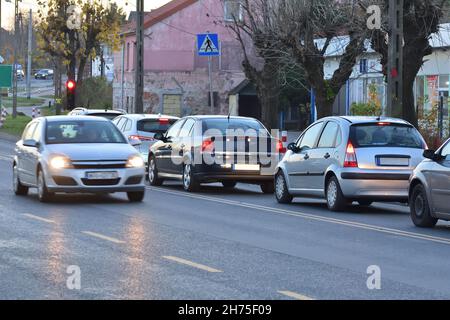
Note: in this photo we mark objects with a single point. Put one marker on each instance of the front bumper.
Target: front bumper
(375, 184)
(74, 181)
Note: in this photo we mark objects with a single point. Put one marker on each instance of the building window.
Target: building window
(233, 9)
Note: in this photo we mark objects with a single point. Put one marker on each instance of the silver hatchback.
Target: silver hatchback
(346, 159)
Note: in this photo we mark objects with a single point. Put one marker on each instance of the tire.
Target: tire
(152, 175)
(43, 194)
(335, 199)
(19, 188)
(137, 196)
(420, 209)
(190, 183)
(365, 203)
(229, 184)
(268, 187)
(281, 190)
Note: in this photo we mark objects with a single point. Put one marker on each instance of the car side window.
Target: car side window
(175, 129)
(310, 137)
(29, 131)
(37, 132)
(187, 127)
(446, 151)
(329, 134)
(127, 126)
(121, 122)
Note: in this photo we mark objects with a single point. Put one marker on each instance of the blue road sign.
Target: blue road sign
(208, 44)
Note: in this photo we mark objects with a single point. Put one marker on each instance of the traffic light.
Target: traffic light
(71, 89)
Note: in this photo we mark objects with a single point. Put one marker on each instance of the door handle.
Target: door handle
(327, 155)
(306, 156)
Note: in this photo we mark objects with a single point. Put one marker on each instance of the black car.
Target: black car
(208, 149)
(44, 74)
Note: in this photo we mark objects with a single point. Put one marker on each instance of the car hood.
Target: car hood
(94, 151)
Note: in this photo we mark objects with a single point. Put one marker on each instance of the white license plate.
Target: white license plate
(102, 175)
(404, 162)
(246, 167)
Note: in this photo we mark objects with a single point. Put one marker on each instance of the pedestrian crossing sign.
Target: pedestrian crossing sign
(208, 44)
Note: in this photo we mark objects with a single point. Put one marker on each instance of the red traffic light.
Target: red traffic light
(70, 84)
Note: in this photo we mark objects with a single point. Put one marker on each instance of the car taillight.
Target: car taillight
(280, 147)
(163, 120)
(142, 138)
(208, 145)
(350, 157)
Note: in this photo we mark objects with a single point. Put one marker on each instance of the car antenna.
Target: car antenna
(229, 115)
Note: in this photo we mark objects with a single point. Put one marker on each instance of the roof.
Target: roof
(73, 118)
(149, 116)
(157, 15)
(365, 119)
(206, 117)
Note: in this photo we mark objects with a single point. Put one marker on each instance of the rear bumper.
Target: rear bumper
(381, 186)
(216, 173)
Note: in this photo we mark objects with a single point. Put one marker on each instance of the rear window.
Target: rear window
(233, 124)
(386, 135)
(155, 125)
(109, 116)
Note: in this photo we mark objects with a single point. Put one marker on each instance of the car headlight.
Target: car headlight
(135, 161)
(60, 162)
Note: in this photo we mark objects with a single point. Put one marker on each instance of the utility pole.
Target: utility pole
(122, 78)
(30, 40)
(16, 52)
(395, 60)
(139, 80)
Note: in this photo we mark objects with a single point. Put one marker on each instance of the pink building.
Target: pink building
(176, 78)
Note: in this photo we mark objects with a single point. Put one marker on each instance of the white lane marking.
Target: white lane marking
(273, 210)
(295, 295)
(103, 237)
(192, 264)
(32, 216)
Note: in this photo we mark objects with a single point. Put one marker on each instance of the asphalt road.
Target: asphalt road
(217, 244)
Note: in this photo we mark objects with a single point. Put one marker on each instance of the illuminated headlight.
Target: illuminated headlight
(135, 161)
(60, 162)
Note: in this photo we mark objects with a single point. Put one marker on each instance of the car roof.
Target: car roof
(209, 117)
(366, 119)
(74, 118)
(149, 116)
(89, 111)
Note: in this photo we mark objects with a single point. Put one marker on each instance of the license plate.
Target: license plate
(246, 167)
(102, 175)
(402, 162)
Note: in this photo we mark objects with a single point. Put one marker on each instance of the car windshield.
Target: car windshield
(67, 132)
(386, 135)
(106, 115)
(247, 125)
(155, 125)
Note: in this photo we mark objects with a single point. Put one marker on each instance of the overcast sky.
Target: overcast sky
(8, 8)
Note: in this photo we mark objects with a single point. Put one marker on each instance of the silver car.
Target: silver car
(76, 154)
(144, 127)
(429, 192)
(107, 114)
(346, 159)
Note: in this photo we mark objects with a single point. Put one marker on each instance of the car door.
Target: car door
(299, 163)
(35, 153)
(26, 163)
(181, 146)
(325, 154)
(163, 154)
(440, 182)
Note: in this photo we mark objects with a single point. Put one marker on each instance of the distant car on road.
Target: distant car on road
(201, 149)
(346, 159)
(107, 114)
(20, 74)
(429, 192)
(144, 127)
(76, 154)
(44, 74)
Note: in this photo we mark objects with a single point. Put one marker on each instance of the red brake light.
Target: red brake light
(163, 121)
(280, 147)
(350, 160)
(135, 137)
(383, 124)
(208, 145)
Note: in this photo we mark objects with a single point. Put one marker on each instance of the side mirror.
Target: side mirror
(293, 147)
(135, 142)
(159, 136)
(432, 155)
(31, 143)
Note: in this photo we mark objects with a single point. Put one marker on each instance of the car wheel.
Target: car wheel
(365, 203)
(190, 183)
(335, 199)
(419, 208)
(137, 196)
(229, 184)
(268, 187)
(43, 194)
(153, 178)
(19, 188)
(281, 189)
